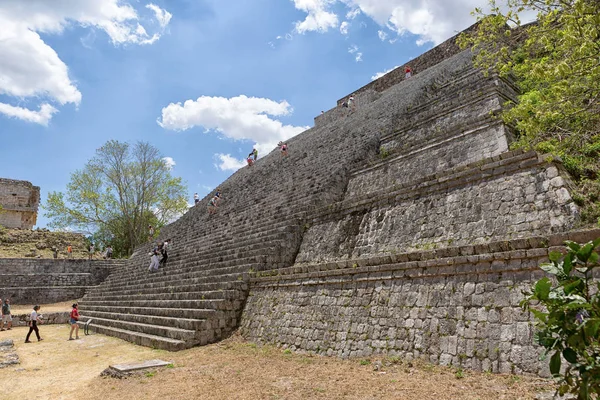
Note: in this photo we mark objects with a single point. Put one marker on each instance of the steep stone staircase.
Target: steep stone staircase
(262, 221)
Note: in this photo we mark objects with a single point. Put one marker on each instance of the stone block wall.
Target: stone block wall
(20, 201)
(503, 197)
(44, 281)
(455, 306)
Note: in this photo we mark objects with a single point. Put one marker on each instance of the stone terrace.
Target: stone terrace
(43, 281)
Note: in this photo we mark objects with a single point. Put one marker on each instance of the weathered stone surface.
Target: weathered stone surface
(8, 354)
(20, 201)
(139, 366)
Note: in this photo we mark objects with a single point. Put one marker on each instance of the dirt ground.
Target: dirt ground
(57, 369)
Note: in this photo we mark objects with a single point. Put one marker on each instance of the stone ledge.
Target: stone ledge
(487, 168)
(448, 258)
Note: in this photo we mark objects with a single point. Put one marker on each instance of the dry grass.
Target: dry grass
(234, 369)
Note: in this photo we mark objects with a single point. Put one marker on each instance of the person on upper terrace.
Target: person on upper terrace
(150, 233)
(407, 72)
(196, 198)
(351, 103)
(91, 251)
(212, 205)
(109, 252)
(284, 149)
(254, 154)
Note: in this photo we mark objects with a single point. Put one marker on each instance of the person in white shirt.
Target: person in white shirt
(35, 318)
(196, 198)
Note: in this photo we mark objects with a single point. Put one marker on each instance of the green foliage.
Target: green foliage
(556, 64)
(117, 194)
(567, 313)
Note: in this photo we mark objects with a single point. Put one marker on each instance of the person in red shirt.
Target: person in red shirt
(407, 72)
(74, 321)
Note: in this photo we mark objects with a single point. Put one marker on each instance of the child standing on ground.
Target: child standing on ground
(35, 318)
(74, 321)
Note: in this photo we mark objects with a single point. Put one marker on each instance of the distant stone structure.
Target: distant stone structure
(406, 227)
(20, 201)
(45, 281)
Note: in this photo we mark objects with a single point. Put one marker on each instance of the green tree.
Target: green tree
(567, 313)
(556, 64)
(118, 193)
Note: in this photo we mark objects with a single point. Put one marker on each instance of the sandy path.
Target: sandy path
(60, 369)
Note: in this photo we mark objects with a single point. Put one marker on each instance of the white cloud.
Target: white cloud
(318, 18)
(162, 16)
(353, 13)
(225, 162)
(41, 117)
(344, 27)
(169, 162)
(382, 35)
(30, 68)
(237, 118)
(380, 74)
(431, 20)
(357, 54)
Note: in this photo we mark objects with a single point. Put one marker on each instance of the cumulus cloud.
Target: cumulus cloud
(41, 117)
(237, 118)
(431, 20)
(162, 16)
(225, 162)
(380, 74)
(344, 27)
(30, 68)
(169, 162)
(319, 18)
(382, 35)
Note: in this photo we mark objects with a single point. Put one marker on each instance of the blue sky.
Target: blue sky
(74, 76)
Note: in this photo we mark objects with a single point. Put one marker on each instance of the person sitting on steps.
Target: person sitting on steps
(249, 161)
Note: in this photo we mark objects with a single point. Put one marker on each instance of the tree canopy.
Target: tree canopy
(118, 193)
(556, 64)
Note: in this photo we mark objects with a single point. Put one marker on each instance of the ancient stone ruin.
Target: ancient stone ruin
(19, 202)
(407, 227)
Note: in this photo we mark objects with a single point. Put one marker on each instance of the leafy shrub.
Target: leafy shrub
(569, 321)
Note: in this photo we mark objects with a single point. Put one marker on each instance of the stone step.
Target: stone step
(174, 293)
(186, 313)
(204, 288)
(142, 339)
(197, 303)
(216, 265)
(168, 319)
(165, 279)
(156, 330)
